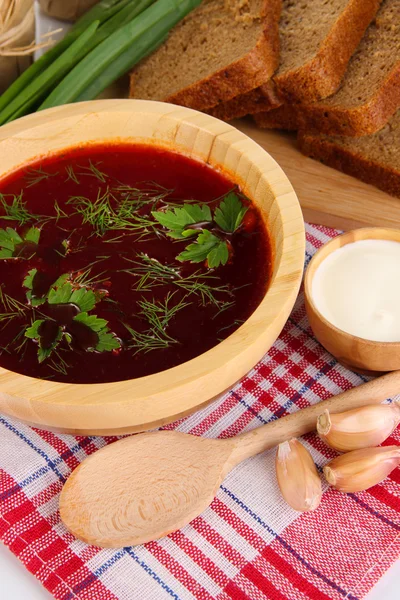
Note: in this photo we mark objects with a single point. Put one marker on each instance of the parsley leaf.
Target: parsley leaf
(207, 247)
(229, 215)
(28, 283)
(106, 339)
(179, 218)
(61, 292)
(32, 235)
(10, 240)
(48, 335)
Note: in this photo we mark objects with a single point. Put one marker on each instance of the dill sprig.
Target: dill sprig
(93, 171)
(149, 193)
(12, 307)
(107, 214)
(158, 314)
(71, 175)
(16, 209)
(34, 176)
(86, 279)
(59, 366)
(147, 341)
(151, 273)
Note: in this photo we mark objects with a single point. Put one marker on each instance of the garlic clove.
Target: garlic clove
(361, 469)
(297, 476)
(358, 428)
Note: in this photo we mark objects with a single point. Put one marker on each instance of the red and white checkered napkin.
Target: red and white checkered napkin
(248, 544)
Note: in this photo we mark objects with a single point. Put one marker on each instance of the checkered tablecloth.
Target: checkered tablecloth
(248, 544)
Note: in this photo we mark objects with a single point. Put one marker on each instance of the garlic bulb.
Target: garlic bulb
(297, 476)
(361, 469)
(358, 428)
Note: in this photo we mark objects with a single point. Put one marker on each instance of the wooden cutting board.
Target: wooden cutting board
(327, 196)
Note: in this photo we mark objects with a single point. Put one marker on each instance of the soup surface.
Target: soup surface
(120, 261)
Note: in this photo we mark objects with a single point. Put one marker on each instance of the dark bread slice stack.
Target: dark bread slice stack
(253, 102)
(220, 50)
(370, 91)
(374, 158)
(317, 40)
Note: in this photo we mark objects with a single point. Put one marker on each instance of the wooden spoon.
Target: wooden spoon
(145, 486)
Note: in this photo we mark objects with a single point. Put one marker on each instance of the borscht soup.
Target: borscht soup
(119, 261)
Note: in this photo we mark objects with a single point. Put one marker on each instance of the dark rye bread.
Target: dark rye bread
(286, 117)
(220, 50)
(374, 158)
(247, 103)
(317, 40)
(370, 91)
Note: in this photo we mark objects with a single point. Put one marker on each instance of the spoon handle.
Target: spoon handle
(301, 422)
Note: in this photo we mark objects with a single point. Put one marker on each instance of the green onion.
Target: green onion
(134, 40)
(118, 68)
(45, 80)
(131, 10)
(100, 12)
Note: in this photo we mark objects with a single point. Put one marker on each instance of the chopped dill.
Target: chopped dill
(93, 171)
(225, 306)
(159, 313)
(151, 273)
(34, 176)
(105, 214)
(60, 366)
(147, 341)
(85, 278)
(71, 175)
(16, 209)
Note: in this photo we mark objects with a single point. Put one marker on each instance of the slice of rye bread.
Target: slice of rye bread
(247, 103)
(370, 91)
(221, 49)
(374, 158)
(317, 40)
(284, 117)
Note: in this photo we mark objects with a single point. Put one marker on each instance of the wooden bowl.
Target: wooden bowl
(151, 401)
(356, 353)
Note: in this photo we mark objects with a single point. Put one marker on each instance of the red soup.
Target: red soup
(120, 261)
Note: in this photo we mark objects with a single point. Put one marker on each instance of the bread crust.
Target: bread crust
(321, 76)
(353, 163)
(260, 99)
(241, 76)
(284, 117)
(314, 80)
(329, 119)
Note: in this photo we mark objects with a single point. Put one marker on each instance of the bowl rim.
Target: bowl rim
(41, 394)
(326, 250)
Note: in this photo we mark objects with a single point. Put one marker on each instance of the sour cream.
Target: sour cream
(357, 289)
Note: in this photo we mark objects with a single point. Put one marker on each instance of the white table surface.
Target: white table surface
(16, 583)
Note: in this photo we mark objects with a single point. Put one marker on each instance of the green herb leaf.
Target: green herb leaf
(85, 299)
(36, 332)
(28, 283)
(60, 294)
(10, 239)
(32, 332)
(32, 235)
(229, 215)
(207, 247)
(178, 219)
(106, 339)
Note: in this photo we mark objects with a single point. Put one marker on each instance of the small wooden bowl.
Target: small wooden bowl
(147, 402)
(359, 354)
